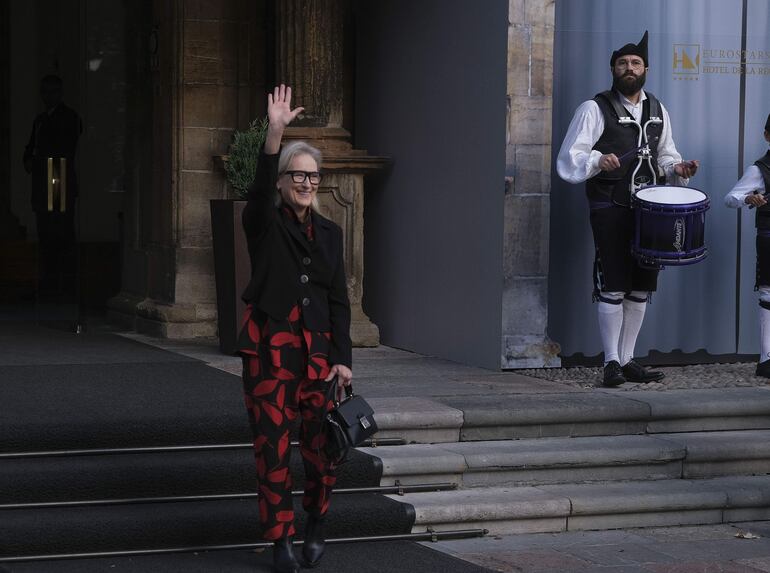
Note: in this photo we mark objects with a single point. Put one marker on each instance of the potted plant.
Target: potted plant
(241, 161)
(232, 268)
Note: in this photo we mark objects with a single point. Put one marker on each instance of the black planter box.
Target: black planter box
(232, 268)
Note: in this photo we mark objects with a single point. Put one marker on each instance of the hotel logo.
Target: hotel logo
(686, 59)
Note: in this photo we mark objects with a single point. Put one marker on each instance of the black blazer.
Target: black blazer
(288, 269)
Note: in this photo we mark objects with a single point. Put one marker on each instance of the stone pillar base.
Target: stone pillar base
(363, 331)
(175, 321)
(121, 310)
(529, 352)
(163, 320)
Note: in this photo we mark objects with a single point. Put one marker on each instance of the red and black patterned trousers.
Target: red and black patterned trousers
(284, 371)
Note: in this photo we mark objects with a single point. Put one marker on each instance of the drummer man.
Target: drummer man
(601, 152)
(750, 190)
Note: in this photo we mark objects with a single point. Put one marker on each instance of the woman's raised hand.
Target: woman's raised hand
(279, 115)
(279, 112)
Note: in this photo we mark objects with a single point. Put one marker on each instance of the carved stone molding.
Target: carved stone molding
(310, 43)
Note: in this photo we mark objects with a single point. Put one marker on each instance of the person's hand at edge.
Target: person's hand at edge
(686, 169)
(279, 115)
(609, 162)
(344, 378)
(755, 199)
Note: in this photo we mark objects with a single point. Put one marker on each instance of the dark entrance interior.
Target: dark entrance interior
(101, 52)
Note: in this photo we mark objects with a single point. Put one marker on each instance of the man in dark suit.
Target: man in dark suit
(49, 158)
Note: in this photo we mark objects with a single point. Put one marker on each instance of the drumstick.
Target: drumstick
(634, 150)
(630, 152)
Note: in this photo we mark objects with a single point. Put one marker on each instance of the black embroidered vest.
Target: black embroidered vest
(615, 186)
(763, 212)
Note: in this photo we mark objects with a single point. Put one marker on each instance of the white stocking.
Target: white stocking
(764, 324)
(610, 323)
(633, 315)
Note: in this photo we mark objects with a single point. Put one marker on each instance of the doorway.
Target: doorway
(97, 52)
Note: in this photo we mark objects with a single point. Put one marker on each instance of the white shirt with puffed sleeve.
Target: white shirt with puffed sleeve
(751, 181)
(578, 161)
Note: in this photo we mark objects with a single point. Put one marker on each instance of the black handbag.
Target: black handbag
(347, 425)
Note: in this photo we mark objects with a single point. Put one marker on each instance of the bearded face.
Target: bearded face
(627, 82)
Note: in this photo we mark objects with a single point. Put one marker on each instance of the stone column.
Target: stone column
(525, 342)
(309, 56)
(310, 38)
(206, 69)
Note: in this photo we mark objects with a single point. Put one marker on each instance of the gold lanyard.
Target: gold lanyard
(57, 183)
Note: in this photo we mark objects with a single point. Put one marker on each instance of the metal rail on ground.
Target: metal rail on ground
(374, 442)
(429, 535)
(381, 489)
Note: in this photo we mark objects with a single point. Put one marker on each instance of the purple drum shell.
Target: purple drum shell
(670, 234)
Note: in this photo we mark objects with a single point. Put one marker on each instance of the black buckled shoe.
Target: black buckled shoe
(635, 372)
(314, 546)
(283, 556)
(763, 369)
(613, 375)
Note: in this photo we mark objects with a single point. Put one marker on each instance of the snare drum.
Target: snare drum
(670, 226)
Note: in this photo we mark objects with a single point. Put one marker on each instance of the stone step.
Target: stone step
(595, 506)
(469, 464)
(711, 454)
(576, 460)
(154, 475)
(532, 461)
(148, 526)
(595, 413)
(418, 420)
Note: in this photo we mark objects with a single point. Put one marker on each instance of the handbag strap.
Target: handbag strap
(332, 391)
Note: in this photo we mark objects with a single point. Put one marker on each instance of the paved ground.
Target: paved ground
(381, 370)
(386, 372)
(701, 549)
(677, 377)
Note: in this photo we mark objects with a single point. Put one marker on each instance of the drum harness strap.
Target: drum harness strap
(643, 143)
(596, 295)
(643, 154)
(764, 304)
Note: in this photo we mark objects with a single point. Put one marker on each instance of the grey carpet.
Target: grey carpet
(380, 557)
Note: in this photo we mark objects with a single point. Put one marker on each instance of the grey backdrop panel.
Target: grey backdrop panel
(757, 108)
(431, 90)
(695, 306)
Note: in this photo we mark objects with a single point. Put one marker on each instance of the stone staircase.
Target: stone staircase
(148, 452)
(593, 460)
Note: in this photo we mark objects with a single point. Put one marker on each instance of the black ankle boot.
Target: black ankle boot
(283, 556)
(315, 544)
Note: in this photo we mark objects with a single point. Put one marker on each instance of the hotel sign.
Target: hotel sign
(690, 61)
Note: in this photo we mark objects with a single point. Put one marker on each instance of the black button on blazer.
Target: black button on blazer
(281, 255)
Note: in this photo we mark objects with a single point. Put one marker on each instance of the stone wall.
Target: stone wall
(525, 343)
(207, 74)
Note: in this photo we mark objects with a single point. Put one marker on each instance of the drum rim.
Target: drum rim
(660, 263)
(706, 201)
(670, 256)
(680, 209)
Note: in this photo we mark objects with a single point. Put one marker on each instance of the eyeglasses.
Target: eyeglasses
(634, 63)
(299, 176)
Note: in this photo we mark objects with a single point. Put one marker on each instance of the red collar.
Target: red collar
(306, 227)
